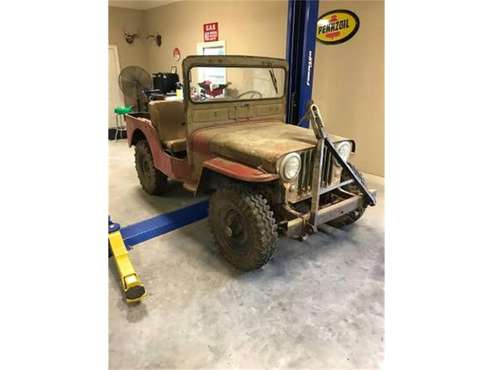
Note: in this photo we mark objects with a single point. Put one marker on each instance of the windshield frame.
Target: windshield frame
(222, 62)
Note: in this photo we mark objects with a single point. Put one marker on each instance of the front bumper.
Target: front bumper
(301, 225)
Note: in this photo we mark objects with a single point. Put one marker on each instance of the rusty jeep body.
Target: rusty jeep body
(228, 139)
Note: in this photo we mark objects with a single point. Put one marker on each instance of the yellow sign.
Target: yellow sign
(337, 26)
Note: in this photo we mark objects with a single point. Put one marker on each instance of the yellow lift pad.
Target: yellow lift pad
(131, 284)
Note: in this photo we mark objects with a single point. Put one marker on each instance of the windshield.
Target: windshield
(213, 84)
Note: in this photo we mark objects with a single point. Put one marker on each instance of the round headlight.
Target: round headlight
(289, 166)
(344, 150)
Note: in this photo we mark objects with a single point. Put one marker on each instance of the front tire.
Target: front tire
(351, 217)
(243, 227)
(152, 180)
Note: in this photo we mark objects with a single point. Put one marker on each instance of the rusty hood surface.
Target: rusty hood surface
(257, 144)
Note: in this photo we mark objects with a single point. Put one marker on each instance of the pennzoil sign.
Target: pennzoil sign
(337, 26)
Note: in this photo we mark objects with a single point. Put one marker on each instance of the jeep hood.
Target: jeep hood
(257, 144)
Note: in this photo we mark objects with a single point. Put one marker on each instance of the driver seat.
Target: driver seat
(168, 117)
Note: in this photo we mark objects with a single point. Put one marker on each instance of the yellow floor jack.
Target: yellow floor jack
(131, 284)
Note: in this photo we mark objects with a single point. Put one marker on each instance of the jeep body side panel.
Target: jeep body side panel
(175, 168)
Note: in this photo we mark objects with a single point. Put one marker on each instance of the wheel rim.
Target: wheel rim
(235, 231)
(145, 169)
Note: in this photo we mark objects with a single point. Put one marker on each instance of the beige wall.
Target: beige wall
(247, 27)
(133, 22)
(349, 83)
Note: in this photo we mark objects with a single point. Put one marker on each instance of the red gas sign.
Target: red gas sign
(211, 32)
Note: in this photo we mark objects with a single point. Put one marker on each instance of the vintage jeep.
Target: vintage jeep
(228, 139)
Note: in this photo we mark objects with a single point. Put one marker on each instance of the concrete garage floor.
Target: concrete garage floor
(317, 304)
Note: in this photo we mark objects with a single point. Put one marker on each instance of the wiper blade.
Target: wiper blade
(274, 80)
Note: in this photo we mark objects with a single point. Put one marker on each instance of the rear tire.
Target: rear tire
(152, 180)
(243, 227)
(351, 217)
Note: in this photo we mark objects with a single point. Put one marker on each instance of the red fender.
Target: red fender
(238, 171)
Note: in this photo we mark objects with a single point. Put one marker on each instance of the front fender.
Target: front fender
(238, 171)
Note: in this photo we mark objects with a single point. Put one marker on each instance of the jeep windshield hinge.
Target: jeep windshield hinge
(318, 126)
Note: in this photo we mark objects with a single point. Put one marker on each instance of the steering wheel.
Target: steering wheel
(253, 93)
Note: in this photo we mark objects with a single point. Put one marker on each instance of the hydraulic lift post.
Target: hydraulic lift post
(300, 54)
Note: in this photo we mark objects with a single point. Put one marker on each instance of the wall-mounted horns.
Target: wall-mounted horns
(130, 37)
(156, 37)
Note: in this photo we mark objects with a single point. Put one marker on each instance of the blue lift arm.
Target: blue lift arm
(164, 223)
(300, 54)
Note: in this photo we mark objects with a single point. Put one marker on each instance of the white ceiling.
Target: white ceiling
(139, 4)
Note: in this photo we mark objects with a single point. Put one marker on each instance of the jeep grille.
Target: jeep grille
(306, 172)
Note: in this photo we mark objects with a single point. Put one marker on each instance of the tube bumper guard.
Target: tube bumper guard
(301, 225)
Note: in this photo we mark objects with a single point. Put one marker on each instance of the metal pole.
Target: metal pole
(300, 53)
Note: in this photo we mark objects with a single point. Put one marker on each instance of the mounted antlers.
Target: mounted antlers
(156, 37)
(130, 37)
